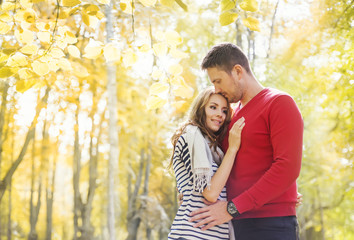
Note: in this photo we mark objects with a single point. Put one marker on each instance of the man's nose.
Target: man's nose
(217, 89)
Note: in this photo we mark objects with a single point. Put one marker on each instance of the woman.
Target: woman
(200, 166)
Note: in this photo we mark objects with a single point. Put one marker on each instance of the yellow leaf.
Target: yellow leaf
(44, 37)
(144, 48)
(91, 9)
(154, 102)
(53, 65)
(93, 49)
(179, 105)
(3, 57)
(175, 69)
(148, 3)
(86, 19)
(23, 85)
(6, 72)
(24, 36)
(227, 18)
(4, 28)
(100, 15)
(129, 57)
(90, 21)
(111, 52)
(5, 17)
(167, 3)
(41, 68)
(183, 91)
(158, 88)
(30, 15)
(8, 6)
(17, 60)
(56, 53)
(70, 3)
(103, 1)
(157, 74)
(180, 88)
(61, 43)
(69, 37)
(29, 49)
(26, 4)
(126, 6)
(226, 5)
(252, 23)
(74, 51)
(43, 26)
(64, 64)
(63, 14)
(176, 80)
(173, 38)
(249, 5)
(79, 70)
(160, 49)
(178, 54)
(74, 11)
(25, 73)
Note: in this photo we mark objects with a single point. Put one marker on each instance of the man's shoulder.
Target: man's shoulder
(274, 93)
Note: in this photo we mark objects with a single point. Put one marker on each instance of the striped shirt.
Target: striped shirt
(192, 200)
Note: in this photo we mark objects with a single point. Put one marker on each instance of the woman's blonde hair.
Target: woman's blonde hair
(197, 117)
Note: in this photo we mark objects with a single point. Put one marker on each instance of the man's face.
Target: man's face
(226, 84)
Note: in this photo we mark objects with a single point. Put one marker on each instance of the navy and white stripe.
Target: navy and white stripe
(192, 200)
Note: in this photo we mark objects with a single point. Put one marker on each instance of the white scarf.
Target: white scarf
(201, 157)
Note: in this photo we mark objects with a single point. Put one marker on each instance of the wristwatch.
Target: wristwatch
(232, 210)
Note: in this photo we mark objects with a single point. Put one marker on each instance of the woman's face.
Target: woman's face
(215, 111)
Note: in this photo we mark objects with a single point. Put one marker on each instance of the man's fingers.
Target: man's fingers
(199, 216)
(198, 211)
(203, 222)
(210, 225)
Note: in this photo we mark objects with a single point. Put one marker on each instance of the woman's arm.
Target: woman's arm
(219, 179)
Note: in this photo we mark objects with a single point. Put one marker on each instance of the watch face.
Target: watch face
(231, 208)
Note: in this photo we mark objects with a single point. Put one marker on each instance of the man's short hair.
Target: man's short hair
(225, 56)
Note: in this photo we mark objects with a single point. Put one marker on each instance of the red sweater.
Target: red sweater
(262, 182)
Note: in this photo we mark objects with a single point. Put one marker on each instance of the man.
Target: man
(261, 188)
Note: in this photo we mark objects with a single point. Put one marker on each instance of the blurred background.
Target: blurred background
(91, 92)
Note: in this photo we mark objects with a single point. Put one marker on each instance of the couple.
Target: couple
(254, 182)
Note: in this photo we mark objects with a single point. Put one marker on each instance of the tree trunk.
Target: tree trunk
(50, 199)
(133, 218)
(9, 221)
(321, 214)
(87, 230)
(2, 121)
(112, 129)
(238, 33)
(5, 182)
(34, 209)
(76, 177)
(272, 30)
